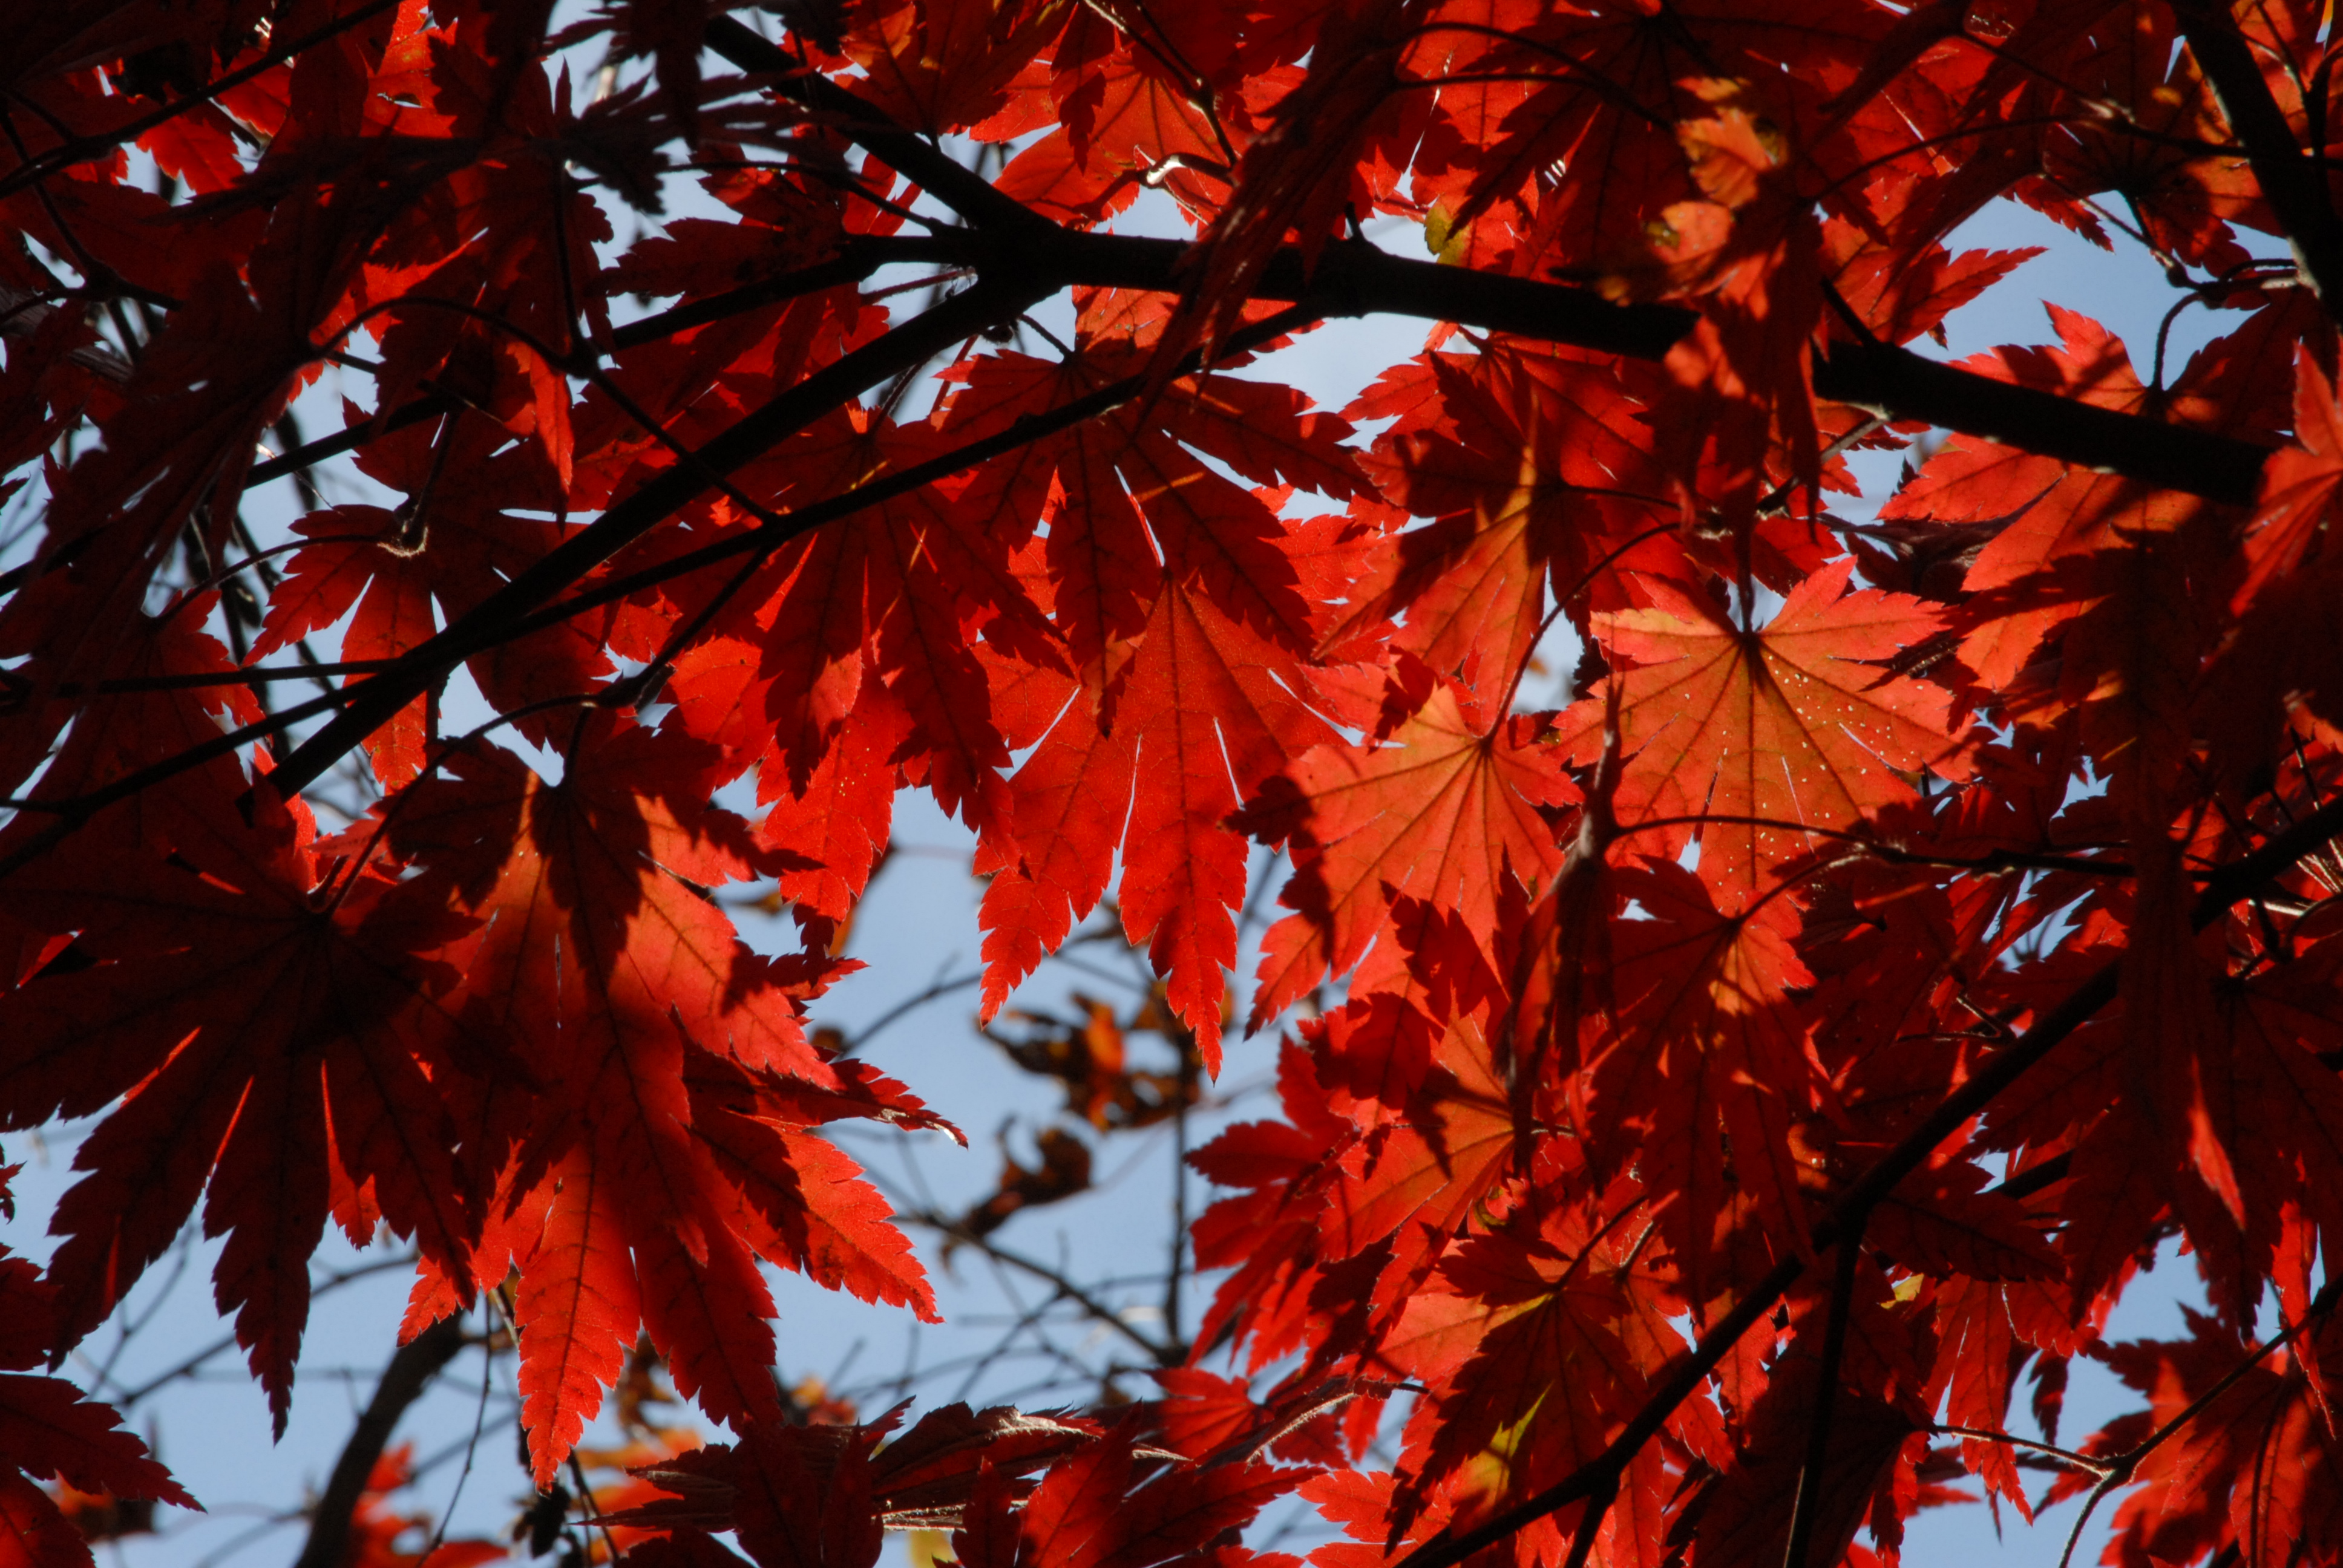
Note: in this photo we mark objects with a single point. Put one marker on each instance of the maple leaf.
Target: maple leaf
(1532, 469)
(49, 1431)
(1432, 1169)
(1743, 391)
(1367, 1200)
(1902, 300)
(1122, 113)
(2041, 512)
(1206, 712)
(2219, 1480)
(1127, 495)
(1746, 1519)
(449, 547)
(803, 1502)
(2299, 485)
(613, 975)
(1094, 1509)
(939, 67)
(773, 1482)
(2186, 200)
(1444, 810)
(1984, 1329)
(1209, 713)
(1269, 1234)
(900, 598)
(1704, 1042)
(1740, 737)
(1305, 170)
(1517, 1335)
(1072, 802)
(267, 1035)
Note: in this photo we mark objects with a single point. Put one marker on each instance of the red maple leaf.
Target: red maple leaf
(2257, 1468)
(49, 1431)
(1741, 736)
(1445, 809)
(264, 1037)
(637, 1184)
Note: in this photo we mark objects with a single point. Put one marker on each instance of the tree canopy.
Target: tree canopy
(1702, 1108)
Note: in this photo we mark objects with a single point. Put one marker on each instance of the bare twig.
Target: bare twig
(1056, 1278)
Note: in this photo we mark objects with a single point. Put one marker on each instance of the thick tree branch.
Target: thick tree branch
(1354, 278)
(1818, 1430)
(403, 1381)
(1902, 384)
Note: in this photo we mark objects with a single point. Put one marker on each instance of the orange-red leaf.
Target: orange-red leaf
(1443, 810)
(1766, 730)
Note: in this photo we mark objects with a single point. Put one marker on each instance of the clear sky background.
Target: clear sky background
(917, 929)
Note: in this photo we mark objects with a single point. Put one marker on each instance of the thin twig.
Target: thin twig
(1056, 1278)
(2035, 1445)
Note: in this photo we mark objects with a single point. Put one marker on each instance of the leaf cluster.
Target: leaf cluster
(1700, 1103)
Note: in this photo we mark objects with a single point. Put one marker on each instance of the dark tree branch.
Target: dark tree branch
(311, 453)
(1800, 1551)
(403, 1381)
(1590, 1523)
(1908, 385)
(2066, 1456)
(1355, 277)
(857, 259)
(258, 675)
(2034, 1178)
